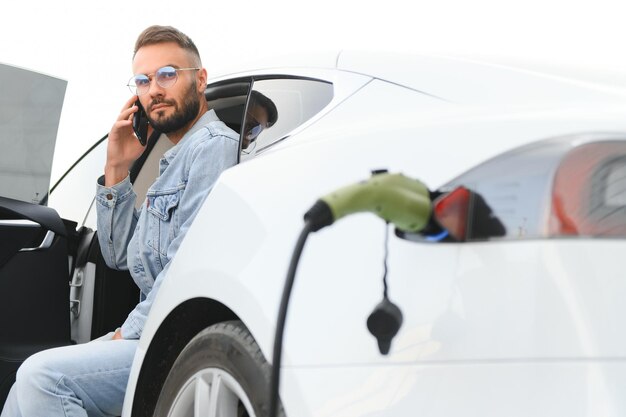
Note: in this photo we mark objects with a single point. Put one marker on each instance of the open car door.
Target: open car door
(34, 269)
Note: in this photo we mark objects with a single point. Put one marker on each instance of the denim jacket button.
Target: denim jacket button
(109, 196)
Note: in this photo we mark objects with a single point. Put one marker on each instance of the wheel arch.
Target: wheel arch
(178, 328)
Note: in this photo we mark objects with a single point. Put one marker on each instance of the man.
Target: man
(261, 114)
(90, 379)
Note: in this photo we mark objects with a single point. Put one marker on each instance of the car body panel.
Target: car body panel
(246, 237)
(521, 388)
(242, 244)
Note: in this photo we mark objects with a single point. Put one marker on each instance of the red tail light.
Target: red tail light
(589, 192)
(567, 186)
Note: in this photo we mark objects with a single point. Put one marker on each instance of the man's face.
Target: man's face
(257, 116)
(173, 108)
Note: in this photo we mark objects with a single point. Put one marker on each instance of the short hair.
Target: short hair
(267, 104)
(162, 34)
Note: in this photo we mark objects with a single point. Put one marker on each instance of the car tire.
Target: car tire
(221, 372)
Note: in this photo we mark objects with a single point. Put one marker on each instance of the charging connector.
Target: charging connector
(397, 199)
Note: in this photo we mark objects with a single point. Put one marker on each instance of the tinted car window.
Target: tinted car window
(228, 99)
(277, 107)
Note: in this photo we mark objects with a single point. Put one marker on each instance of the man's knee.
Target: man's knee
(36, 374)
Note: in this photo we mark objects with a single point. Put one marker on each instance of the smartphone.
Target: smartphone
(140, 124)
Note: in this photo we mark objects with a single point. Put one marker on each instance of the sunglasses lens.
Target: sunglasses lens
(254, 132)
(166, 76)
(140, 82)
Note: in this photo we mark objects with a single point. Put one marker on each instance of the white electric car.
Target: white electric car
(512, 305)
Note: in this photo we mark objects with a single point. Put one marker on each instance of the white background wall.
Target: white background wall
(90, 43)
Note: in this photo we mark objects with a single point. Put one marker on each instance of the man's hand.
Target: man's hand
(117, 335)
(123, 146)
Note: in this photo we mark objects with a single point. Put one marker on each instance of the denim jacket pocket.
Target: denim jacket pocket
(162, 207)
(162, 204)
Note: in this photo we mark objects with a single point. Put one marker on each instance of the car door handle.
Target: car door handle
(45, 243)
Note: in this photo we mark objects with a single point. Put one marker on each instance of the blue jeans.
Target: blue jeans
(80, 380)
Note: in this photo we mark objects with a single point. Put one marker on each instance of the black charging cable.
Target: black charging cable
(319, 216)
(384, 322)
(282, 316)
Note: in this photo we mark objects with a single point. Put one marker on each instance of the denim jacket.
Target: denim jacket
(145, 241)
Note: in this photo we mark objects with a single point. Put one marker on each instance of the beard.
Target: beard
(182, 114)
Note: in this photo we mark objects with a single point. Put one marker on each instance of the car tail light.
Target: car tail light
(589, 192)
(566, 187)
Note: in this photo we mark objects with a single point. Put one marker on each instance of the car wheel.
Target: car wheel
(220, 373)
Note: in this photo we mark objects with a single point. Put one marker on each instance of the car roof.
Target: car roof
(460, 80)
(474, 82)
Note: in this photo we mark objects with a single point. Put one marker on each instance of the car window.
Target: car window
(228, 99)
(278, 106)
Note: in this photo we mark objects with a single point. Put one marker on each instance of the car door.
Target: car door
(34, 270)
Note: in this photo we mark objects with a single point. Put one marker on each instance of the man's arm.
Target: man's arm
(117, 218)
(115, 199)
(209, 159)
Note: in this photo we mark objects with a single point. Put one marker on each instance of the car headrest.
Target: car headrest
(215, 92)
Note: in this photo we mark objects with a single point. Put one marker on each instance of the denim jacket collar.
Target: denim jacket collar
(207, 117)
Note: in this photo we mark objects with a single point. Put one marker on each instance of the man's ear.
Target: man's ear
(202, 78)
